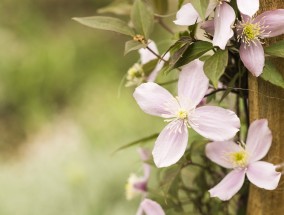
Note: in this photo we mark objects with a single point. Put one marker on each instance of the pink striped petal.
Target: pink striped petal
(150, 207)
(263, 175)
(192, 84)
(187, 15)
(229, 186)
(215, 123)
(224, 18)
(219, 152)
(273, 21)
(248, 7)
(170, 144)
(259, 139)
(155, 100)
(253, 57)
(145, 55)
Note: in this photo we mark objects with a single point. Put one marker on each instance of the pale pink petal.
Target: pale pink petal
(187, 15)
(273, 21)
(215, 123)
(155, 100)
(248, 7)
(152, 77)
(229, 186)
(170, 144)
(150, 207)
(253, 57)
(259, 139)
(145, 55)
(223, 20)
(192, 84)
(263, 175)
(208, 26)
(219, 152)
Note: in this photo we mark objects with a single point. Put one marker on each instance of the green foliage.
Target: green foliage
(192, 52)
(106, 23)
(117, 7)
(271, 74)
(142, 18)
(133, 45)
(275, 49)
(201, 7)
(161, 6)
(214, 66)
(150, 66)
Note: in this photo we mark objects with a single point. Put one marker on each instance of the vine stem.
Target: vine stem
(154, 53)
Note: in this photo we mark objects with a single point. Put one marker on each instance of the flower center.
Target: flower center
(240, 158)
(135, 75)
(182, 114)
(251, 31)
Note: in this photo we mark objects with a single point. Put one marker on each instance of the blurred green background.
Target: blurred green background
(60, 114)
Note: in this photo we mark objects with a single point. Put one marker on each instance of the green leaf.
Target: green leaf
(180, 3)
(132, 45)
(214, 66)
(201, 7)
(270, 73)
(161, 6)
(150, 66)
(142, 18)
(170, 176)
(276, 49)
(117, 7)
(194, 51)
(106, 23)
(142, 140)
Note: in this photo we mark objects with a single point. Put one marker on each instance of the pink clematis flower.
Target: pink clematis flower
(150, 207)
(224, 19)
(248, 7)
(244, 159)
(251, 30)
(138, 185)
(181, 112)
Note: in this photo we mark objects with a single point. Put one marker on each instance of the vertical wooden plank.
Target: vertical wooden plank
(266, 101)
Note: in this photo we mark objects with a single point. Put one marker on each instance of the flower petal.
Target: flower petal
(259, 139)
(145, 55)
(224, 18)
(155, 100)
(229, 186)
(215, 123)
(219, 152)
(145, 156)
(253, 57)
(208, 26)
(248, 7)
(150, 208)
(170, 144)
(187, 15)
(273, 21)
(263, 175)
(192, 84)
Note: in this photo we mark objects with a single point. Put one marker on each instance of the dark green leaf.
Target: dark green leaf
(132, 45)
(194, 51)
(106, 23)
(142, 140)
(170, 176)
(214, 67)
(142, 18)
(201, 7)
(230, 86)
(270, 73)
(276, 49)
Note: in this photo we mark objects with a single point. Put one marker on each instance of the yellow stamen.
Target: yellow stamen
(240, 158)
(182, 114)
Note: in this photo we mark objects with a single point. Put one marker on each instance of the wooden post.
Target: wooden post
(262, 202)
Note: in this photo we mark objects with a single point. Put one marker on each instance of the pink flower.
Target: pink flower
(150, 207)
(138, 185)
(250, 31)
(181, 112)
(224, 19)
(244, 159)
